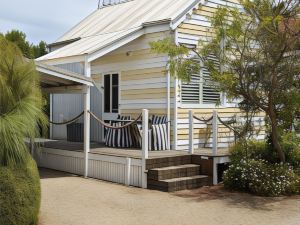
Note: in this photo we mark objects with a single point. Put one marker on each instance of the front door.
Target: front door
(111, 96)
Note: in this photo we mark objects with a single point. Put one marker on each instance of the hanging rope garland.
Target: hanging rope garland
(68, 122)
(203, 119)
(114, 127)
(101, 121)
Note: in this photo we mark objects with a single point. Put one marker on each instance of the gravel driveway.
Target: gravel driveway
(72, 200)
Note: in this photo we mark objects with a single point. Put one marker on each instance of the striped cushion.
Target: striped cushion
(158, 119)
(109, 136)
(140, 130)
(124, 139)
(119, 137)
(160, 137)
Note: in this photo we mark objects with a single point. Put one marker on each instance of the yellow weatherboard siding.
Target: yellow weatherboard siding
(203, 132)
(143, 76)
(197, 27)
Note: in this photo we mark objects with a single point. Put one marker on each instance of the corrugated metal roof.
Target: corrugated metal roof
(87, 45)
(110, 23)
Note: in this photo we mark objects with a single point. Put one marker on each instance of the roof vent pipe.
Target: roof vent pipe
(103, 3)
(100, 3)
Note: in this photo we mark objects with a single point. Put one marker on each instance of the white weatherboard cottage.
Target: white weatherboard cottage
(110, 50)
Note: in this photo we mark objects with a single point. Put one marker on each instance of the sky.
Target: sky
(41, 19)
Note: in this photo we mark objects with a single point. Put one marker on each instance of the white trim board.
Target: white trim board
(63, 76)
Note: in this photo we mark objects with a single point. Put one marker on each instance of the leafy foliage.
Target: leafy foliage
(20, 194)
(21, 104)
(262, 178)
(179, 64)
(259, 61)
(253, 149)
(29, 50)
(255, 167)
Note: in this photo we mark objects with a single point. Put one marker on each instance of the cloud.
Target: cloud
(43, 20)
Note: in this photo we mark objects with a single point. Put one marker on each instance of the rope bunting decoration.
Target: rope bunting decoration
(112, 127)
(101, 121)
(68, 122)
(203, 119)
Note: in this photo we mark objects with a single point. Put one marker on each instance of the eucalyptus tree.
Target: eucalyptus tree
(257, 48)
(21, 103)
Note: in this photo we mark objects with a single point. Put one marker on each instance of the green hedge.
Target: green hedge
(20, 194)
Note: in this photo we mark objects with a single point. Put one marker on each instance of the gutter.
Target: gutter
(63, 42)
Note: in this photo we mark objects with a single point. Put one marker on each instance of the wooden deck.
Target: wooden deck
(101, 149)
(120, 165)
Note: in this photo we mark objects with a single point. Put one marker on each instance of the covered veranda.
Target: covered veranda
(95, 160)
(56, 80)
(88, 159)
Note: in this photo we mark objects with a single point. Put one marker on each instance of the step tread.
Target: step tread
(184, 178)
(176, 167)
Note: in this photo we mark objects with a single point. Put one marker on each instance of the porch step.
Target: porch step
(181, 183)
(170, 172)
(168, 161)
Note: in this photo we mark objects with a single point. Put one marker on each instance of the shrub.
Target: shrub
(262, 178)
(19, 194)
(291, 147)
(263, 150)
(252, 149)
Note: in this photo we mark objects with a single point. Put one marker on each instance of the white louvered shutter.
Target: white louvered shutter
(190, 91)
(201, 89)
(210, 93)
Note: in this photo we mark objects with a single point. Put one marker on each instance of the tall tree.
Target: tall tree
(259, 61)
(21, 103)
(29, 50)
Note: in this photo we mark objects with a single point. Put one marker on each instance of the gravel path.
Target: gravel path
(71, 200)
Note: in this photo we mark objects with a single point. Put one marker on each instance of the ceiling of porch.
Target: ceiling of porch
(57, 80)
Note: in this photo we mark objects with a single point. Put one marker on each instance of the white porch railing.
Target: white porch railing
(145, 146)
(215, 124)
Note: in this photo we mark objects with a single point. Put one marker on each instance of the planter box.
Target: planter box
(75, 132)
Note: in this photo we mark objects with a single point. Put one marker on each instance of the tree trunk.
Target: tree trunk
(275, 136)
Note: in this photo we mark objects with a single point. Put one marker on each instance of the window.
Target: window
(111, 93)
(201, 89)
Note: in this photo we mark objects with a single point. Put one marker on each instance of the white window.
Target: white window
(201, 89)
(111, 93)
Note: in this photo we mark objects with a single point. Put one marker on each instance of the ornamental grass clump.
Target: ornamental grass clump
(21, 117)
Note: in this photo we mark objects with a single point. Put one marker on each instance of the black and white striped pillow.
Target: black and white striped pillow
(119, 137)
(160, 137)
(110, 134)
(124, 139)
(139, 137)
(158, 119)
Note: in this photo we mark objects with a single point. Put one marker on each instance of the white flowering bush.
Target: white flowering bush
(259, 177)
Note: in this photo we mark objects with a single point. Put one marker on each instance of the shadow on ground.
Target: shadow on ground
(47, 174)
(231, 198)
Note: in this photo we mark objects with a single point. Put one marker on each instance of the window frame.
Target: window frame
(111, 92)
(201, 103)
